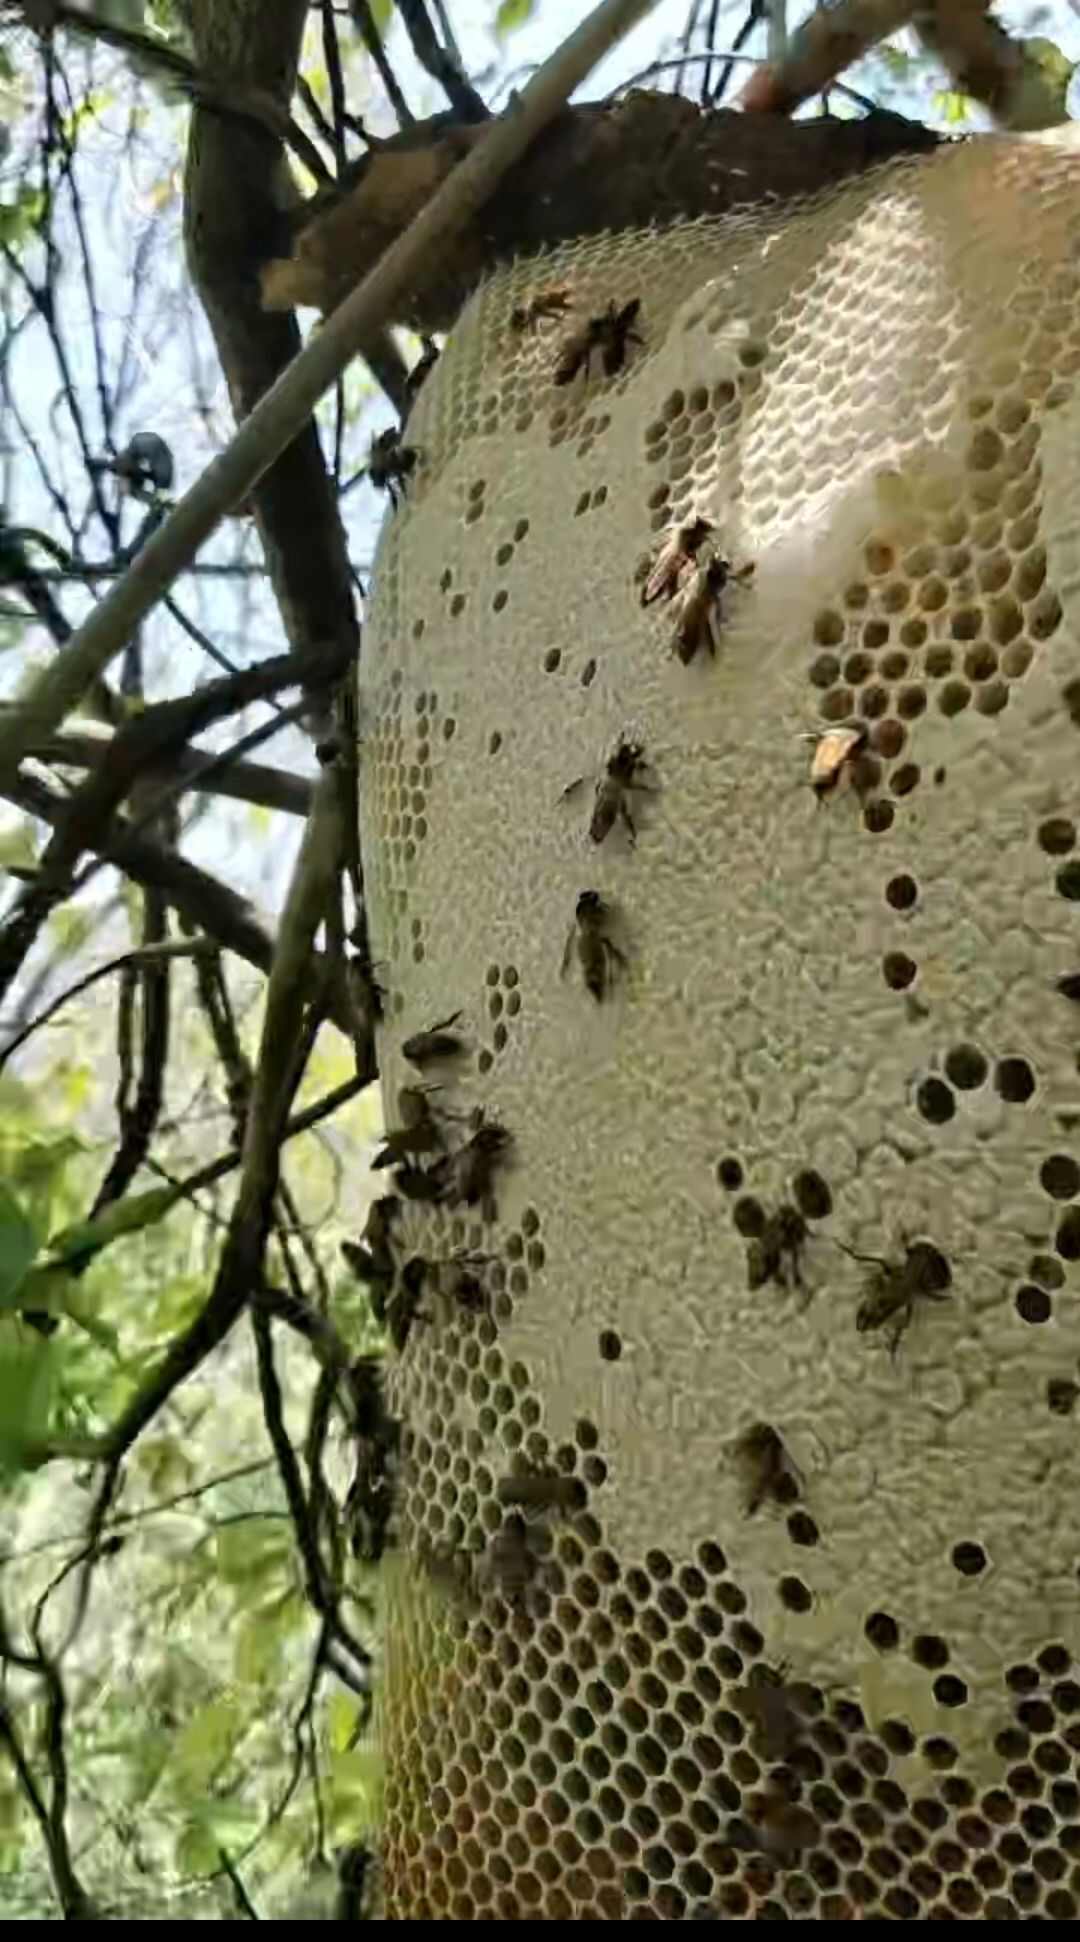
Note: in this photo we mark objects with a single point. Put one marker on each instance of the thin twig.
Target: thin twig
(410, 261)
(143, 954)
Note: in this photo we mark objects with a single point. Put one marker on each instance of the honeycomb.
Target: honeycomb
(807, 1181)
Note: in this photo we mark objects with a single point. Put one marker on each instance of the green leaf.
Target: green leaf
(28, 1376)
(19, 219)
(207, 1740)
(18, 1244)
(88, 1237)
(512, 14)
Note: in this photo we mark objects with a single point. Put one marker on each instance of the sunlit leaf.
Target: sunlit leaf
(511, 15)
(249, 1551)
(206, 1740)
(952, 107)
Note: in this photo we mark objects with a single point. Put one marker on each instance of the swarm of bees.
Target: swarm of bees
(894, 1287)
(765, 1469)
(390, 463)
(620, 777)
(610, 333)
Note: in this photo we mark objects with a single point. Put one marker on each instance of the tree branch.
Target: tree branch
(253, 782)
(278, 417)
(440, 63)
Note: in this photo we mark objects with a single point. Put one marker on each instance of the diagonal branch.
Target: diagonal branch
(440, 62)
(286, 408)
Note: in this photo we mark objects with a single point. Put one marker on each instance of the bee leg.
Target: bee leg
(612, 951)
(900, 1330)
(570, 788)
(624, 812)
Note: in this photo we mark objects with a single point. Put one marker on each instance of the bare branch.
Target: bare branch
(440, 63)
(145, 954)
(286, 407)
(192, 768)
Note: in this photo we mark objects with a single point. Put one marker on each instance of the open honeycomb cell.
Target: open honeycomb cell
(645, 1701)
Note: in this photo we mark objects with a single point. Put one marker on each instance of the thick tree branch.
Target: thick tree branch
(640, 161)
(275, 421)
(253, 782)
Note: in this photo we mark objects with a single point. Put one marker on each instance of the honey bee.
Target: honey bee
(449, 1571)
(426, 1186)
(610, 333)
(597, 955)
(699, 623)
(539, 309)
(370, 1499)
(894, 1287)
(371, 1259)
(766, 1704)
(459, 1283)
(765, 1468)
(678, 551)
(780, 1827)
(371, 993)
(835, 753)
(620, 776)
(390, 463)
(439, 1042)
(778, 1246)
(509, 1563)
(467, 1174)
(403, 1307)
(418, 1132)
(541, 1490)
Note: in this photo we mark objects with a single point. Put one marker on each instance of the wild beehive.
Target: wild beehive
(834, 1031)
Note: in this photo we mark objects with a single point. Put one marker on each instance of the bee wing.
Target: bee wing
(569, 951)
(663, 575)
